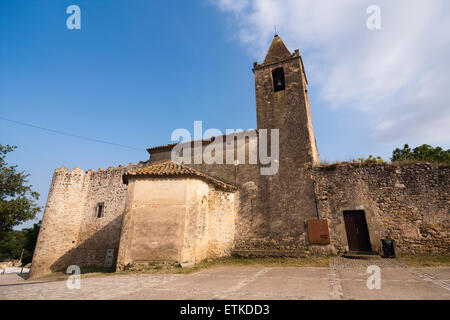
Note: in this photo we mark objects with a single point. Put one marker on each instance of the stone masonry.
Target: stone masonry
(408, 203)
(199, 211)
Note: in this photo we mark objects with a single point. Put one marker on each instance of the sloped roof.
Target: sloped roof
(277, 51)
(171, 169)
(171, 145)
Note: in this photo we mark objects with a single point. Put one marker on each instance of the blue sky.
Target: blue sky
(139, 69)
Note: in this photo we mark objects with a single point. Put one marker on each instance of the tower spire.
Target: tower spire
(277, 51)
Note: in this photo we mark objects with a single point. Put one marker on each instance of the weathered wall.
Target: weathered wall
(70, 232)
(175, 219)
(154, 226)
(97, 235)
(195, 246)
(61, 221)
(409, 203)
(210, 222)
(221, 212)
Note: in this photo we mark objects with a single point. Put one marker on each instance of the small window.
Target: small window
(99, 213)
(278, 80)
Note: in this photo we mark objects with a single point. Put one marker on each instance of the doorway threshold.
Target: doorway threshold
(361, 255)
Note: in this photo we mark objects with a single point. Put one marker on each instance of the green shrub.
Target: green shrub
(424, 152)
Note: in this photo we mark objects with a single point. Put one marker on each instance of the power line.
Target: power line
(70, 134)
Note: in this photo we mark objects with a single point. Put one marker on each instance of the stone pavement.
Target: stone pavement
(342, 280)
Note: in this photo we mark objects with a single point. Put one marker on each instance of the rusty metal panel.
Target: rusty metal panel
(318, 231)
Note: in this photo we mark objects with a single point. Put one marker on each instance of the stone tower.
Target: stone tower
(282, 102)
(286, 199)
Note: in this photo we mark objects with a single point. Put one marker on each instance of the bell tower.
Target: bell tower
(282, 102)
(287, 198)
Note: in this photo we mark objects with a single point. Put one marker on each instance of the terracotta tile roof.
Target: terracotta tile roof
(170, 168)
(166, 146)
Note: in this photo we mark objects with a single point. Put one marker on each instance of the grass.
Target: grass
(426, 260)
(86, 271)
(311, 261)
(417, 260)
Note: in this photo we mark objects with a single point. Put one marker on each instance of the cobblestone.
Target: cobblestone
(346, 263)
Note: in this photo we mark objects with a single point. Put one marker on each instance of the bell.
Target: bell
(279, 83)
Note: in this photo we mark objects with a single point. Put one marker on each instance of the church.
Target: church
(161, 210)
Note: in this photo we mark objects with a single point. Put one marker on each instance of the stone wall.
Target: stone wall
(221, 211)
(175, 219)
(97, 235)
(409, 203)
(61, 221)
(196, 240)
(70, 232)
(210, 222)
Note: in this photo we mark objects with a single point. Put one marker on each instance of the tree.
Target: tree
(424, 152)
(16, 244)
(17, 200)
(31, 236)
(11, 245)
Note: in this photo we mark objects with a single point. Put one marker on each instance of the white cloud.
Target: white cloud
(235, 6)
(398, 77)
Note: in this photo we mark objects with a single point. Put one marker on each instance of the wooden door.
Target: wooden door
(357, 231)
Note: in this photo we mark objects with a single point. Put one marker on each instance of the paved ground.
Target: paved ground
(344, 279)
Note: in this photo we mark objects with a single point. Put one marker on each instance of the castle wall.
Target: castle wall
(409, 203)
(97, 235)
(61, 221)
(70, 231)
